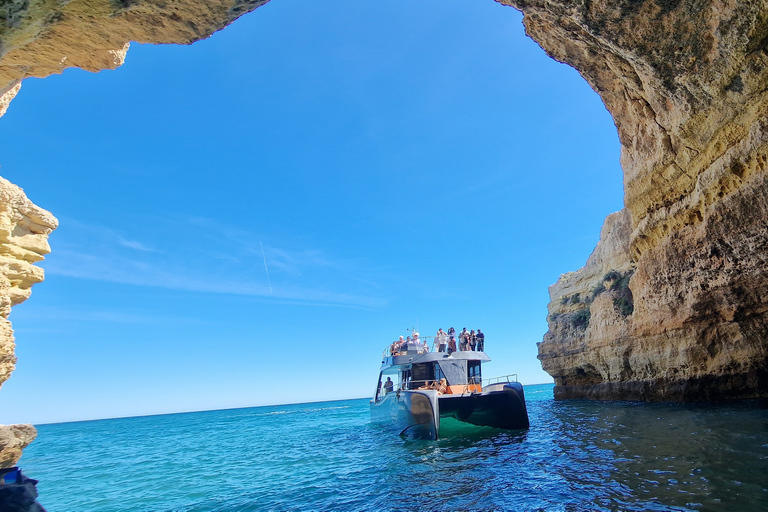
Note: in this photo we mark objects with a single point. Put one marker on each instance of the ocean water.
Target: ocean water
(577, 455)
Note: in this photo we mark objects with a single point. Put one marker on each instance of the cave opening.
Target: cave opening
(388, 165)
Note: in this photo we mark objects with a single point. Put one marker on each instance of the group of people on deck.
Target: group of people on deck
(443, 342)
(440, 385)
(468, 340)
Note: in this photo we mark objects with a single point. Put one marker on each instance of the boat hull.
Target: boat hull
(417, 414)
(413, 414)
(499, 406)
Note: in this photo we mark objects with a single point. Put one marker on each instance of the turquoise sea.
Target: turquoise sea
(577, 455)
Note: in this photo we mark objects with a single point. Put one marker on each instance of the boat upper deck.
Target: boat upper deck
(414, 357)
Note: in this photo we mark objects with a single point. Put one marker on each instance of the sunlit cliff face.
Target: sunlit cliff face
(24, 230)
(686, 84)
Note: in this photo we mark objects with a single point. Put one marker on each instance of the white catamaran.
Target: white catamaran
(417, 387)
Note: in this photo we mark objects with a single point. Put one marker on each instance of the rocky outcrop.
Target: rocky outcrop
(24, 230)
(13, 439)
(687, 86)
(42, 37)
(589, 313)
(5, 99)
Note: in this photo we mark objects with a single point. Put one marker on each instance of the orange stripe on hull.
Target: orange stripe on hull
(464, 388)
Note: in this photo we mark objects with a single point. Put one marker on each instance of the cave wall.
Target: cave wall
(686, 84)
(42, 37)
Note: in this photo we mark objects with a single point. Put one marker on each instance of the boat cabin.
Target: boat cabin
(461, 370)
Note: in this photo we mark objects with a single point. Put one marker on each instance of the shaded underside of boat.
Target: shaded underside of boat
(500, 408)
(417, 413)
(410, 413)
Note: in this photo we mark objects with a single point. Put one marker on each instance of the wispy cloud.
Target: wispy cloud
(133, 244)
(53, 316)
(224, 261)
(103, 234)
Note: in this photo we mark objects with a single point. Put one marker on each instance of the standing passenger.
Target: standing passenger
(441, 340)
(464, 339)
(396, 346)
(418, 344)
(480, 341)
(472, 340)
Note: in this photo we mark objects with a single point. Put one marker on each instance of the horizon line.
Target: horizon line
(223, 409)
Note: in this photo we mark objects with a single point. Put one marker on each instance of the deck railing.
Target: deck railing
(423, 349)
(419, 349)
(411, 385)
(504, 378)
(474, 386)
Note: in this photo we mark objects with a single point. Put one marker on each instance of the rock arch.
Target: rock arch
(686, 84)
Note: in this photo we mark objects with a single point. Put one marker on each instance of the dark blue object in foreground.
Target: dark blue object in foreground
(17, 492)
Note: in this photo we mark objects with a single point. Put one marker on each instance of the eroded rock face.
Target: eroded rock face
(43, 37)
(24, 230)
(687, 86)
(13, 439)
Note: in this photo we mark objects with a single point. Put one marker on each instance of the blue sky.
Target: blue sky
(398, 162)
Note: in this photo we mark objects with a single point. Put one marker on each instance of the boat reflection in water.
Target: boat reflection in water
(416, 388)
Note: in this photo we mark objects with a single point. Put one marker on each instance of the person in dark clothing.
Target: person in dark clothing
(388, 386)
(472, 340)
(480, 341)
(451, 341)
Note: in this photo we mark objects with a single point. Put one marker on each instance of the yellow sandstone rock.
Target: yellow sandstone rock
(13, 439)
(43, 37)
(687, 85)
(24, 230)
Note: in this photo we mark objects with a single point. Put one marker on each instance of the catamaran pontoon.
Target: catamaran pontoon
(421, 387)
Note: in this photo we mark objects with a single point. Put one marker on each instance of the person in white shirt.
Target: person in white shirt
(420, 345)
(441, 340)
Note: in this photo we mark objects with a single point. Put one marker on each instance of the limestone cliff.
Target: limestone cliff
(24, 230)
(13, 439)
(687, 86)
(42, 37)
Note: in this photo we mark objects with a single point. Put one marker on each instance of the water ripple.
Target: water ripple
(576, 456)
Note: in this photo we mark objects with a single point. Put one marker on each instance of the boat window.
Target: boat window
(420, 374)
(438, 373)
(473, 372)
(379, 391)
(384, 387)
